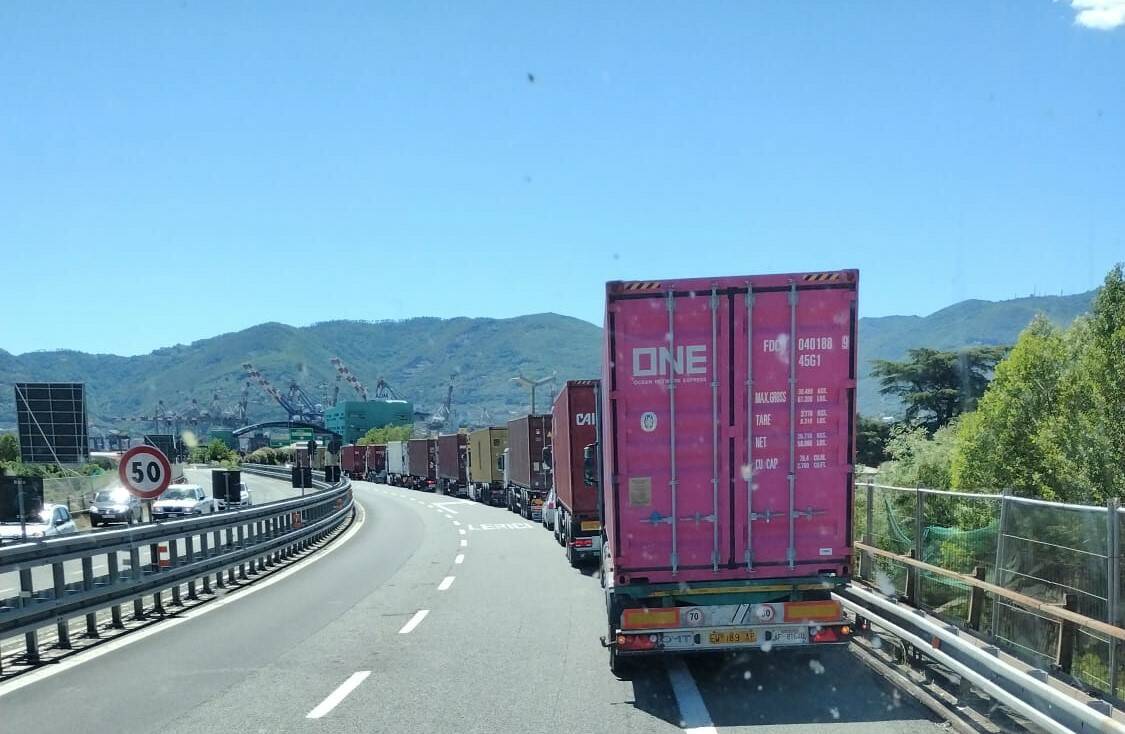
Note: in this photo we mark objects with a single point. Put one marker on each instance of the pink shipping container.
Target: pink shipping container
(353, 461)
(727, 436)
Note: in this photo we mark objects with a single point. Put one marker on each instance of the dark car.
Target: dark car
(114, 505)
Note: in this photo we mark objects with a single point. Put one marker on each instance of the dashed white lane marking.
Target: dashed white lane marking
(445, 583)
(414, 621)
(464, 542)
(338, 695)
(459, 559)
(693, 711)
(456, 523)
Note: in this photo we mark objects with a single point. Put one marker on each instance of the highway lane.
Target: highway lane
(440, 615)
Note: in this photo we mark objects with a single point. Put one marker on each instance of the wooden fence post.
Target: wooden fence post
(976, 599)
(1064, 657)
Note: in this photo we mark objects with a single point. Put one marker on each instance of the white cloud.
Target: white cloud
(1100, 14)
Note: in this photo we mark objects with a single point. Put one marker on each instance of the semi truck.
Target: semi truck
(376, 462)
(353, 461)
(396, 463)
(421, 463)
(574, 426)
(452, 462)
(527, 465)
(486, 470)
(725, 462)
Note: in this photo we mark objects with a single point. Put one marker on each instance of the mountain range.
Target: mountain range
(418, 357)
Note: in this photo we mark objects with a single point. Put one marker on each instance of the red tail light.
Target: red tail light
(832, 634)
(636, 642)
(582, 542)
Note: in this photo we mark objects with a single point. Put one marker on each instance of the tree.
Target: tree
(999, 446)
(218, 451)
(9, 447)
(937, 386)
(386, 433)
(871, 439)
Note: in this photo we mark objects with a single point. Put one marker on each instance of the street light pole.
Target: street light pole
(520, 379)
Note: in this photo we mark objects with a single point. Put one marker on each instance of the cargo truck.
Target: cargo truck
(725, 462)
(421, 463)
(452, 463)
(396, 463)
(353, 461)
(486, 471)
(376, 462)
(528, 475)
(578, 526)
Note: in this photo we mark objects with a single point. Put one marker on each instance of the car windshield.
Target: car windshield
(118, 496)
(178, 493)
(596, 349)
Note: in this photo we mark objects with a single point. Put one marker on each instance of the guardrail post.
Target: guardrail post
(62, 626)
(976, 599)
(230, 547)
(911, 594)
(253, 539)
(88, 585)
(919, 551)
(866, 560)
(114, 578)
(136, 571)
(31, 639)
(1064, 656)
(219, 551)
(205, 553)
(242, 546)
(189, 558)
(1113, 526)
(275, 532)
(998, 572)
(173, 561)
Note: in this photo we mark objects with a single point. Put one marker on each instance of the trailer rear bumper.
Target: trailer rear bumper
(766, 638)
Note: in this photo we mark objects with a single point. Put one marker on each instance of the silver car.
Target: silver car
(182, 500)
(48, 522)
(114, 505)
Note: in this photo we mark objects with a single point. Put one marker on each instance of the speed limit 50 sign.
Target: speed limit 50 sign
(145, 471)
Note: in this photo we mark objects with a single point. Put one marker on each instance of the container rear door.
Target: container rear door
(672, 458)
(733, 428)
(794, 426)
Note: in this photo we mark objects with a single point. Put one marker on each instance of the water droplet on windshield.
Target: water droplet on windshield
(746, 675)
(885, 584)
(835, 712)
(767, 646)
(746, 472)
(816, 666)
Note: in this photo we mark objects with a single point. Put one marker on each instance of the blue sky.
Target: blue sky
(169, 172)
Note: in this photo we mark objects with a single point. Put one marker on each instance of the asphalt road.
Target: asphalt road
(439, 615)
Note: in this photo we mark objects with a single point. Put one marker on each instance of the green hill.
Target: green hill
(417, 356)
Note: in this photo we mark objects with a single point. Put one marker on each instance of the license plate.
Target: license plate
(733, 637)
(790, 636)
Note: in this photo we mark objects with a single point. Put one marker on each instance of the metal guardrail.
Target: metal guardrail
(239, 541)
(1028, 693)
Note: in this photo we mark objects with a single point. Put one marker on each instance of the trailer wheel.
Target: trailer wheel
(622, 667)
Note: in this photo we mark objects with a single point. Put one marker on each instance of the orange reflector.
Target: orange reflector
(633, 619)
(812, 611)
(589, 526)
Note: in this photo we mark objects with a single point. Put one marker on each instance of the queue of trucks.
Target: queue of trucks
(710, 471)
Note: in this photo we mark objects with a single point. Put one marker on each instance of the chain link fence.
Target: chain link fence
(1053, 552)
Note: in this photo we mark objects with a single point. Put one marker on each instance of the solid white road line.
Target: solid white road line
(460, 558)
(414, 621)
(464, 543)
(338, 695)
(445, 583)
(693, 711)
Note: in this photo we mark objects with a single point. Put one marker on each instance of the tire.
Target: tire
(93, 523)
(622, 667)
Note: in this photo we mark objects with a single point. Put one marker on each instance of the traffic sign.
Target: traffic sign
(145, 471)
(300, 434)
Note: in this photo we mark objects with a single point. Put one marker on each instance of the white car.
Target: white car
(550, 510)
(245, 499)
(48, 522)
(182, 500)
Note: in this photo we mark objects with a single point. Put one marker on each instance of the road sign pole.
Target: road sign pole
(23, 517)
